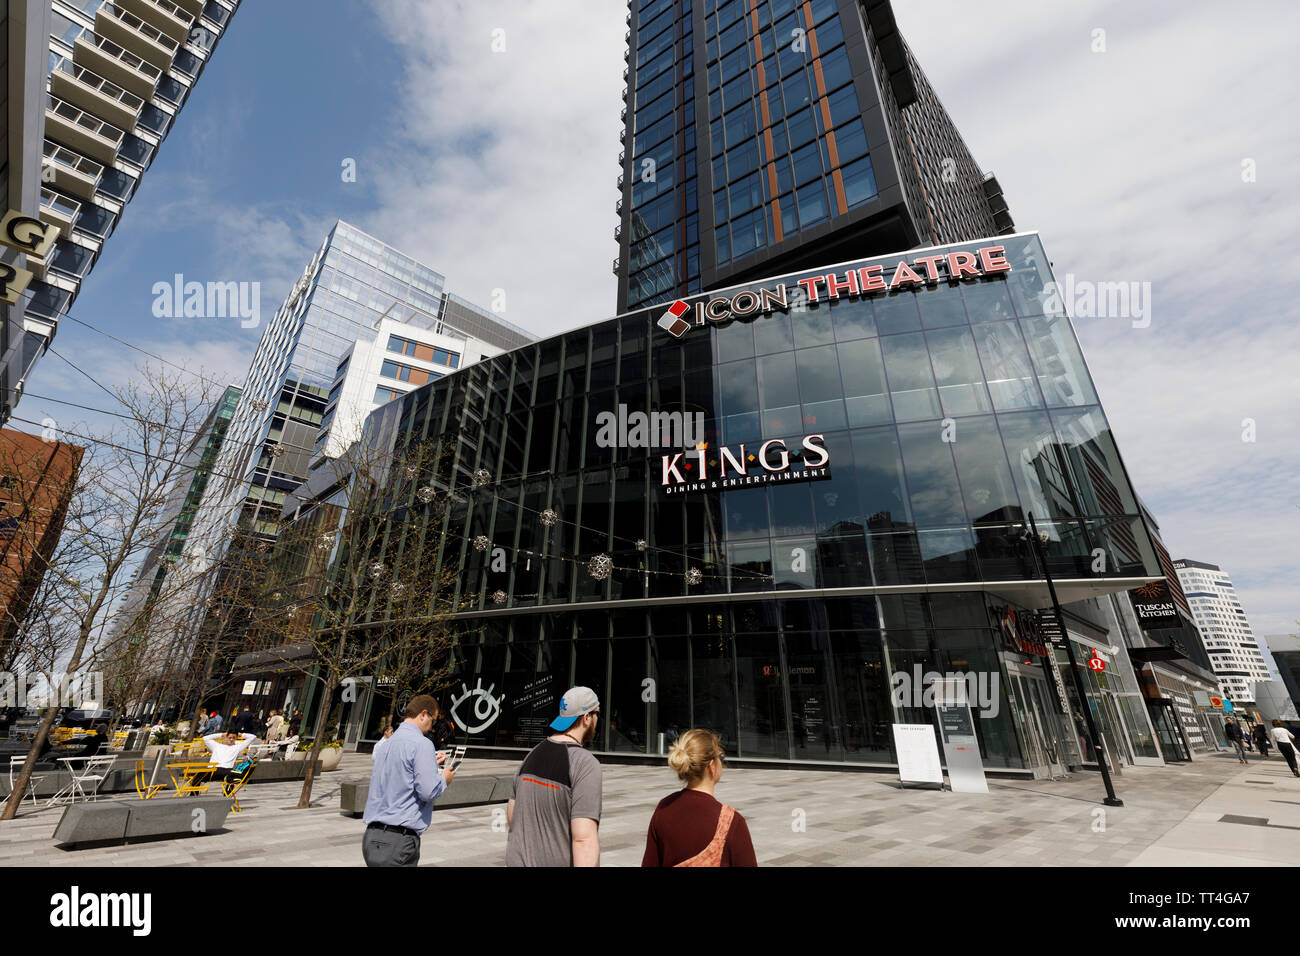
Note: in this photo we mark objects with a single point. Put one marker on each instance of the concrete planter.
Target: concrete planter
(330, 758)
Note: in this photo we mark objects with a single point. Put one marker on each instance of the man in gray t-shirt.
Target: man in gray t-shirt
(555, 814)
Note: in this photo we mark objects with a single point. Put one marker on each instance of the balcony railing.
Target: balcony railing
(85, 132)
(72, 171)
(616, 265)
(117, 63)
(89, 90)
(166, 16)
(132, 32)
(59, 210)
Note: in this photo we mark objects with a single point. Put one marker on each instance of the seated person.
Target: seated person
(226, 749)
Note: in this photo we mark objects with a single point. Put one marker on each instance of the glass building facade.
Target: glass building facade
(779, 613)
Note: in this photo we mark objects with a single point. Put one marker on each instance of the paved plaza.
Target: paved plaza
(1212, 812)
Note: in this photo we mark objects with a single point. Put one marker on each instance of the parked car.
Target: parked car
(86, 718)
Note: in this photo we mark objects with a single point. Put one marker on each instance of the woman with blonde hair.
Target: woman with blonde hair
(690, 827)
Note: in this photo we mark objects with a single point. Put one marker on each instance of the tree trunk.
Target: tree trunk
(322, 715)
(20, 784)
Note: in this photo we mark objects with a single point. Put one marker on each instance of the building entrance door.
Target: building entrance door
(1036, 722)
(1171, 738)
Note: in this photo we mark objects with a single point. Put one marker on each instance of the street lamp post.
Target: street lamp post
(1111, 800)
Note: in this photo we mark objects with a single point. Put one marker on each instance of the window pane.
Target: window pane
(1006, 366)
(931, 476)
(864, 383)
(1058, 361)
(911, 383)
(958, 373)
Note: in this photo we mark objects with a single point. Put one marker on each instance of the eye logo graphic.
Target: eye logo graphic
(486, 708)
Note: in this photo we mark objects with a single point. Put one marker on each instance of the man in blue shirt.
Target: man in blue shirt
(403, 785)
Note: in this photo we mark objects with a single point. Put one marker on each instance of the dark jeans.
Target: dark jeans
(388, 848)
(1288, 752)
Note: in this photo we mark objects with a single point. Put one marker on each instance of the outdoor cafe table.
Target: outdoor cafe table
(186, 777)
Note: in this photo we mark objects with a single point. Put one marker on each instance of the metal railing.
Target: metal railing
(127, 58)
(91, 124)
(96, 82)
(73, 160)
(139, 26)
(60, 204)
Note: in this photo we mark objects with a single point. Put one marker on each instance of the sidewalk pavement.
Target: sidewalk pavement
(1212, 812)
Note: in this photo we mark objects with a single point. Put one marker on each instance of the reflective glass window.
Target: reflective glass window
(911, 382)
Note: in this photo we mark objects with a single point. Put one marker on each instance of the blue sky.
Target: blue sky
(497, 167)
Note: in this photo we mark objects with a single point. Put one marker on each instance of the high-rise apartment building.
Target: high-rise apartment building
(764, 136)
(113, 76)
(1234, 652)
(400, 357)
(353, 287)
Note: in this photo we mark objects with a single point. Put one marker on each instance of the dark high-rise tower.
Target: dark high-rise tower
(765, 135)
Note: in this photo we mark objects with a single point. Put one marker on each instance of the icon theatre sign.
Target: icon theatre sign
(911, 273)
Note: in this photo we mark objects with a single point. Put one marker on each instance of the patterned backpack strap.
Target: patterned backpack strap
(711, 855)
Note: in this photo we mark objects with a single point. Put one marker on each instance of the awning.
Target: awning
(274, 659)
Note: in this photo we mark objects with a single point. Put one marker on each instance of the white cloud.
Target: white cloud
(501, 171)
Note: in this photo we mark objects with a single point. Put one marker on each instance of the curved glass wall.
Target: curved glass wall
(948, 413)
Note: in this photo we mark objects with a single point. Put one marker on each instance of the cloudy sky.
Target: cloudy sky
(1148, 143)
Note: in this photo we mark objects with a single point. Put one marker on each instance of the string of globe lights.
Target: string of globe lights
(599, 566)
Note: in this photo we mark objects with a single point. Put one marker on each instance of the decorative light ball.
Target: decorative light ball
(482, 543)
(425, 494)
(258, 405)
(411, 471)
(498, 597)
(693, 576)
(550, 517)
(276, 596)
(377, 570)
(276, 451)
(482, 477)
(640, 544)
(262, 547)
(325, 542)
(600, 566)
(397, 589)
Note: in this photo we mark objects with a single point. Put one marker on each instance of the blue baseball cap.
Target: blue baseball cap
(576, 702)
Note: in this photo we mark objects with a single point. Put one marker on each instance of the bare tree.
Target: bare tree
(382, 603)
(111, 522)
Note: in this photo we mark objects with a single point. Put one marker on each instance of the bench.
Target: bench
(463, 792)
(121, 821)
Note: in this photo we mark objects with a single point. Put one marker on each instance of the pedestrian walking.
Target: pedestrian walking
(554, 816)
(691, 827)
(1286, 745)
(1260, 733)
(1234, 735)
(404, 783)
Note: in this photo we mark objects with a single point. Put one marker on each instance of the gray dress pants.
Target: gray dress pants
(387, 848)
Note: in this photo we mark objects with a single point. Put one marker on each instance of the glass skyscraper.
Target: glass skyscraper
(768, 135)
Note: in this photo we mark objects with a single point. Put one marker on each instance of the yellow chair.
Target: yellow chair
(231, 786)
(147, 791)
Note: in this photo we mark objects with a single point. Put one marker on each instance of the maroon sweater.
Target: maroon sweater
(684, 823)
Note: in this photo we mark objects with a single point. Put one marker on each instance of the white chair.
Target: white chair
(91, 773)
(16, 765)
